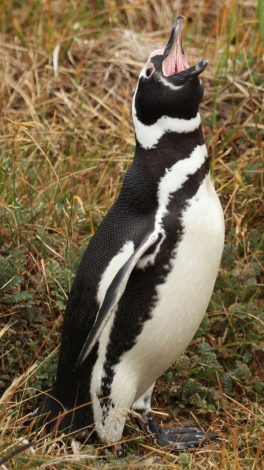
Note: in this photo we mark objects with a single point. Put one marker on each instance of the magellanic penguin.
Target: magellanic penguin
(146, 278)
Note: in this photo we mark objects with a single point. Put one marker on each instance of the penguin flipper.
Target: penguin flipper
(113, 295)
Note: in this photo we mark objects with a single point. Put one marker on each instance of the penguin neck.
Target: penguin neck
(150, 166)
(149, 135)
(170, 148)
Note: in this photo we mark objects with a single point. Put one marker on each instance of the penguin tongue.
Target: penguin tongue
(175, 60)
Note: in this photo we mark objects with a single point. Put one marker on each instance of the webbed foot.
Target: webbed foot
(176, 439)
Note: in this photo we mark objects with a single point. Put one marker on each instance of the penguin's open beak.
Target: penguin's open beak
(174, 60)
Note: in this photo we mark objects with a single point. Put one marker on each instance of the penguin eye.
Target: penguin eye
(149, 72)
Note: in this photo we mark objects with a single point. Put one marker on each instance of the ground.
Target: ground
(68, 71)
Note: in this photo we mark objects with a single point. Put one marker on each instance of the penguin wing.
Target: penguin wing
(113, 295)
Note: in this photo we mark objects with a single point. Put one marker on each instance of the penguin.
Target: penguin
(145, 280)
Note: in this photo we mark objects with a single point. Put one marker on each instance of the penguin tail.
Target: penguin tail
(47, 417)
(52, 418)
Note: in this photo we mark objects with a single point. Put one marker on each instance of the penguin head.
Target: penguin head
(167, 86)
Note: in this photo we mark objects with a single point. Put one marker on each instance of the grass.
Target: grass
(66, 142)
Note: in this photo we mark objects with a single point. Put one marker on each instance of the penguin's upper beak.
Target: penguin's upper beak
(174, 60)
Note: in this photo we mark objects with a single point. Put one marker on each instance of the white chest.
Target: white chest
(183, 298)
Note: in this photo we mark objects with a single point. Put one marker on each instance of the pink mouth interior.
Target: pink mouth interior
(176, 61)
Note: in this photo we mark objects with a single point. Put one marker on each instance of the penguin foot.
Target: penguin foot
(179, 439)
(176, 439)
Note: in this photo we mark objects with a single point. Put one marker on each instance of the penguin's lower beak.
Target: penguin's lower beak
(174, 60)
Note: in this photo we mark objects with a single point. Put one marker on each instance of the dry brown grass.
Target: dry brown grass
(66, 141)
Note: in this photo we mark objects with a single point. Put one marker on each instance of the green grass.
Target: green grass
(66, 141)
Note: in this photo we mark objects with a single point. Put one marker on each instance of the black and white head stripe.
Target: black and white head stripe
(168, 93)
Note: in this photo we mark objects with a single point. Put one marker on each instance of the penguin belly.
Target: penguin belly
(134, 353)
(183, 297)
